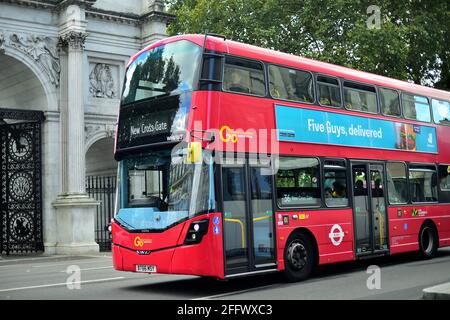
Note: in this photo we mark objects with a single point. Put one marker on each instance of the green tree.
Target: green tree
(411, 44)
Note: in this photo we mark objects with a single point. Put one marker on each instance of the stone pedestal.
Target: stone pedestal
(75, 211)
(76, 225)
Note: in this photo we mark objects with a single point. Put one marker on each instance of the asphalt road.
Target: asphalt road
(402, 277)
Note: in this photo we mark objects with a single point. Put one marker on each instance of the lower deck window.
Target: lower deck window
(423, 184)
(335, 184)
(397, 183)
(297, 182)
(444, 177)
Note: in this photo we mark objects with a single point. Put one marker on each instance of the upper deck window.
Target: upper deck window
(244, 76)
(328, 91)
(416, 107)
(441, 111)
(390, 102)
(165, 70)
(290, 84)
(360, 97)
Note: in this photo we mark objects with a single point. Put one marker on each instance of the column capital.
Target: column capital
(73, 40)
(156, 5)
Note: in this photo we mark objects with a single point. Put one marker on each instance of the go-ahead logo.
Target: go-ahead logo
(227, 134)
(336, 235)
(138, 242)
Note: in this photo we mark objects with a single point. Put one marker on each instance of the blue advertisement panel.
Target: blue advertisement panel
(314, 126)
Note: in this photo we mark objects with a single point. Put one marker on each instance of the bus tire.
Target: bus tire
(428, 241)
(299, 257)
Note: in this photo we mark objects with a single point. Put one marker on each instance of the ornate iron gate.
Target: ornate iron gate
(102, 189)
(21, 190)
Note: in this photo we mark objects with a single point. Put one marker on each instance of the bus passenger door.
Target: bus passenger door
(248, 219)
(235, 228)
(369, 208)
(262, 217)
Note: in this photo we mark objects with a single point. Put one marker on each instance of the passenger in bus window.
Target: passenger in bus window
(364, 103)
(291, 95)
(338, 190)
(328, 193)
(236, 83)
(275, 91)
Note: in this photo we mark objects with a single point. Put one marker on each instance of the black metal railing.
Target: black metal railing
(102, 189)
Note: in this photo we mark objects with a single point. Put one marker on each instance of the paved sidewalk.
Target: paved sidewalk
(45, 255)
(42, 257)
(439, 292)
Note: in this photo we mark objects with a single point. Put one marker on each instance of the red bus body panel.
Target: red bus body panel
(167, 251)
(320, 224)
(243, 113)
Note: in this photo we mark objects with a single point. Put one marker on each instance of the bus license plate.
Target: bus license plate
(145, 268)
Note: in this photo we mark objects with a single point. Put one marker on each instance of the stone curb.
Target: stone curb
(439, 292)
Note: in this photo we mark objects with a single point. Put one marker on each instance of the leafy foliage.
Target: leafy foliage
(412, 42)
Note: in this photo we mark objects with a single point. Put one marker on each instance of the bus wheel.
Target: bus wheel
(428, 241)
(299, 257)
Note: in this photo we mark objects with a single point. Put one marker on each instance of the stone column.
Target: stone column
(75, 159)
(75, 210)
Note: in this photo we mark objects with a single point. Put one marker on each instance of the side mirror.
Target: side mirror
(194, 152)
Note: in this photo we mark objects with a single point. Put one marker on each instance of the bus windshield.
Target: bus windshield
(165, 70)
(159, 190)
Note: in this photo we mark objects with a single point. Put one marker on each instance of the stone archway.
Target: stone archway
(101, 169)
(23, 99)
(20, 88)
(29, 80)
(40, 55)
(100, 158)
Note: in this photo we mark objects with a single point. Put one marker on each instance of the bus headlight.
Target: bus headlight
(196, 231)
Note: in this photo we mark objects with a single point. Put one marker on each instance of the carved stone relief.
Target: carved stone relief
(42, 49)
(103, 81)
(92, 130)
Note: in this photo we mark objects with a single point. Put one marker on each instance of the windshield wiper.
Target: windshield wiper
(124, 222)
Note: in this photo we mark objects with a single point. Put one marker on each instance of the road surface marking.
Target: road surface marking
(235, 292)
(31, 259)
(61, 284)
(93, 256)
(88, 269)
(70, 263)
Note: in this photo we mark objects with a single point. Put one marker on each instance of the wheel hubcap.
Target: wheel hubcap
(297, 256)
(427, 240)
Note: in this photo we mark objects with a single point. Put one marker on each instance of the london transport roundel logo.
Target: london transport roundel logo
(336, 235)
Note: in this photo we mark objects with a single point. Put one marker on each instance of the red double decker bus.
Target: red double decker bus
(237, 160)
